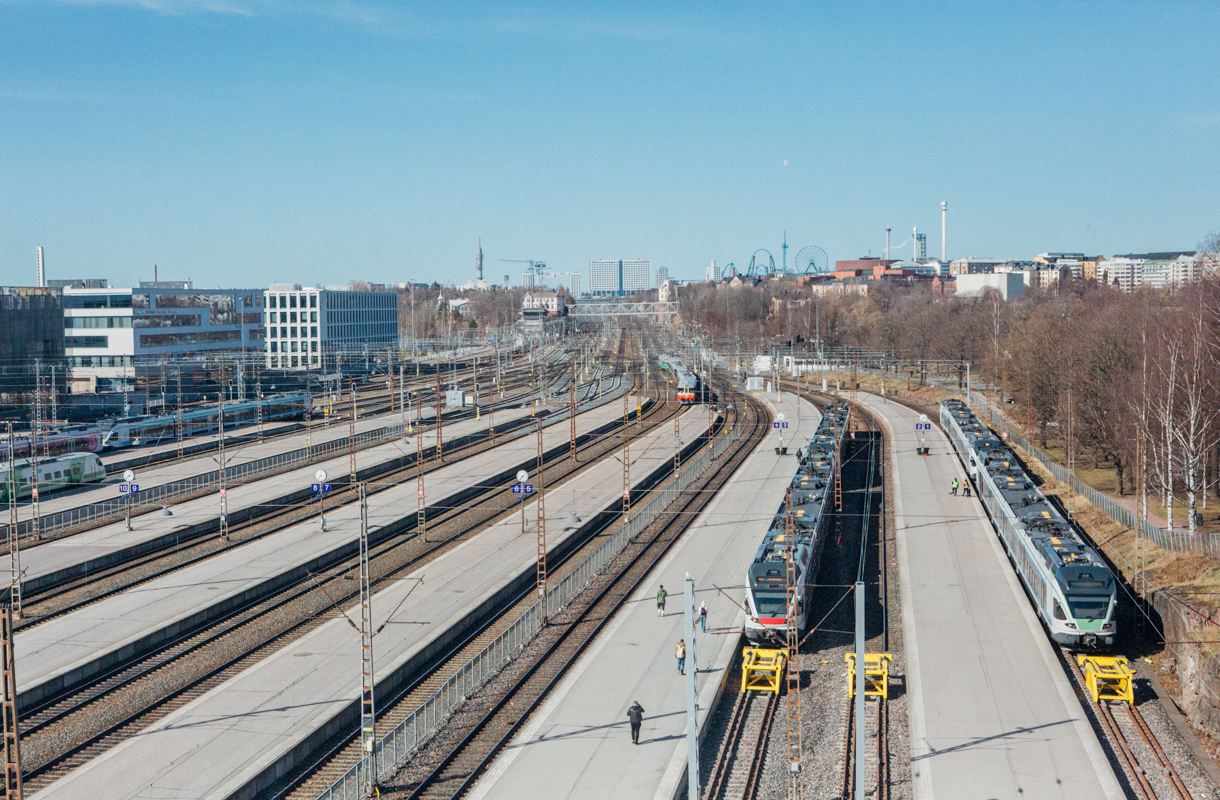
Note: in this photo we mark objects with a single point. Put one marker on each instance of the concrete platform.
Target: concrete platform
(53, 562)
(219, 745)
(64, 651)
(137, 458)
(578, 744)
(991, 712)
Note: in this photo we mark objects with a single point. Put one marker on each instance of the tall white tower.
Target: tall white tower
(42, 276)
(943, 208)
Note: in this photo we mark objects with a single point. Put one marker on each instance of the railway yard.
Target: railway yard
(393, 596)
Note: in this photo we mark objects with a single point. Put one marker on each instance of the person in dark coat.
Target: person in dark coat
(635, 715)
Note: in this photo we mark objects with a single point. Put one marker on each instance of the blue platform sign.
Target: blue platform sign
(783, 424)
(319, 487)
(923, 426)
(129, 487)
(516, 488)
(523, 488)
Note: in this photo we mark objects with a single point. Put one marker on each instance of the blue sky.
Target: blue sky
(240, 142)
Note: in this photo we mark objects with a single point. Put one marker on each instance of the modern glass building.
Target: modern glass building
(610, 277)
(107, 331)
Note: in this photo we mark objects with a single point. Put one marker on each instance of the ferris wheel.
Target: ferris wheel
(811, 260)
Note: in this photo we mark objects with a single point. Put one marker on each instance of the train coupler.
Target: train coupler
(876, 674)
(762, 669)
(1108, 678)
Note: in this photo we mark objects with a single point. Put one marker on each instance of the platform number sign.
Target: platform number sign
(131, 488)
(779, 425)
(923, 426)
(523, 488)
(319, 487)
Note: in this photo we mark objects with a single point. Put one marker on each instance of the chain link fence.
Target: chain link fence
(396, 746)
(1202, 544)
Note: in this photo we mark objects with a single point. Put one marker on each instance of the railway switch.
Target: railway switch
(762, 670)
(1107, 678)
(876, 674)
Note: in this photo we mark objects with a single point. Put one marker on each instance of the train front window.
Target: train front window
(770, 604)
(1089, 607)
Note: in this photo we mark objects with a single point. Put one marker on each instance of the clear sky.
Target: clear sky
(241, 142)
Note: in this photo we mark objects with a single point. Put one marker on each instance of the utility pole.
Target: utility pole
(795, 787)
(422, 522)
(368, 723)
(861, 772)
(626, 463)
(224, 502)
(692, 705)
(402, 392)
(572, 404)
(12, 733)
(14, 539)
(178, 417)
(440, 455)
(541, 526)
(32, 462)
(476, 388)
(351, 434)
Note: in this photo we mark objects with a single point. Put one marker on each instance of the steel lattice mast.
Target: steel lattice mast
(795, 789)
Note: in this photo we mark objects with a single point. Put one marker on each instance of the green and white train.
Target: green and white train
(1072, 588)
(53, 474)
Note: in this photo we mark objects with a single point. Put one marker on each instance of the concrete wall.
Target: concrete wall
(1009, 284)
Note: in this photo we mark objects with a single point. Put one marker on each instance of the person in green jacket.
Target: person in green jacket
(661, 595)
(953, 487)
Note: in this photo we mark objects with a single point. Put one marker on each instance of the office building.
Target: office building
(1008, 284)
(610, 277)
(305, 325)
(662, 275)
(974, 266)
(713, 273)
(32, 319)
(575, 284)
(107, 330)
(527, 280)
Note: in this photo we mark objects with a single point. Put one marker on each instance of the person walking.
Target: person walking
(661, 595)
(953, 487)
(966, 487)
(703, 616)
(635, 715)
(680, 654)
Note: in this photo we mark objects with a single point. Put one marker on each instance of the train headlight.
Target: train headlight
(1071, 625)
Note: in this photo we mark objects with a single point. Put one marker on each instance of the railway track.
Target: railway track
(734, 777)
(448, 772)
(72, 729)
(58, 599)
(1149, 772)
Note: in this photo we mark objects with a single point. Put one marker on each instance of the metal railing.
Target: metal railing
(396, 746)
(1178, 541)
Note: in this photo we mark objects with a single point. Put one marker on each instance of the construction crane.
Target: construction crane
(536, 267)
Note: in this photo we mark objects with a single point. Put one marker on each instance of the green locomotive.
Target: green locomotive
(53, 473)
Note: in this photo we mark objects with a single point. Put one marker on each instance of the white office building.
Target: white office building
(306, 325)
(108, 331)
(575, 284)
(1008, 284)
(662, 275)
(610, 277)
(1156, 270)
(713, 273)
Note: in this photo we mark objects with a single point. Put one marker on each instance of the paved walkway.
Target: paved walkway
(578, 745)
(992, 714)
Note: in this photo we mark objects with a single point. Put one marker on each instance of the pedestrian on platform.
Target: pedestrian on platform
(680, 654)
(703, 616)
(661, 595)
(635, 715)
(966, 487)
(953, 487)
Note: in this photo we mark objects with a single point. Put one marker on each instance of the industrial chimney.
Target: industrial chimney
(943, 207)
(42, 275)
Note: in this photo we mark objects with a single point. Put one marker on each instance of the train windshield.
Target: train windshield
(1089, 606)
(770, 604)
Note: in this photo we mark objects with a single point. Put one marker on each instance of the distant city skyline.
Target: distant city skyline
(251, 142)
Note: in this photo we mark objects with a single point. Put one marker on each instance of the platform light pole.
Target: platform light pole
(572, 415)
(422, 520)
(351, 434)
(440, 456)
(859, 704)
